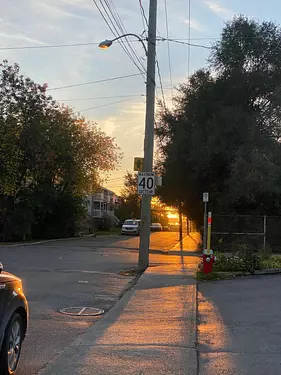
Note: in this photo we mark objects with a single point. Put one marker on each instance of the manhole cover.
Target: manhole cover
(82, 311)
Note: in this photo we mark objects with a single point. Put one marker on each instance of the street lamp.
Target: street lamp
(107, 43)
(150, 52)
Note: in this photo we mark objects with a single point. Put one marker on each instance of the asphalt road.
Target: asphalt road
(239, 328)
(81, 272)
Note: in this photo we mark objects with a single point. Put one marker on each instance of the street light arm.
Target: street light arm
(136, 36)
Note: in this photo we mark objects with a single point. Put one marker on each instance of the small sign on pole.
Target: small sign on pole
(205, 197)
(146, 183)
(138, 164)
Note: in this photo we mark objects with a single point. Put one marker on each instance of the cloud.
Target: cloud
(195, 25)
(109, 125)
(21, 37)
(218, 9)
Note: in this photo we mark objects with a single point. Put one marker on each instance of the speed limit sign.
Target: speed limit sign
(146, 183)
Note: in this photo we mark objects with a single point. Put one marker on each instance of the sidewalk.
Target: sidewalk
(151, 330)
(189, 244)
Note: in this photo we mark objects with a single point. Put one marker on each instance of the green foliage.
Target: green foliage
(49, 160)
(130, 207)
(245, 259)
(271, 263)
(200, 276)
(223, 134)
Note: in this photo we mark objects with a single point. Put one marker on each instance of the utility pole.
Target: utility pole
(180, 223)
(149, 136)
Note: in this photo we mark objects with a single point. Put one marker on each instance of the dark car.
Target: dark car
(13, 321)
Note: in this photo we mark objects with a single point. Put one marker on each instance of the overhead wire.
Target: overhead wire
(117, 24)
(185, 43)
(93, 82)
(142, 17)
(105, 105)
(112, 27)
(99, 97)
(189, 35)
(143, 13)
(161, 83)
(168, 44)
(67, 45)
(123, 30)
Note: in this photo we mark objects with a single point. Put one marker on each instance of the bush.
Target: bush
(245, 259)
(274, 262)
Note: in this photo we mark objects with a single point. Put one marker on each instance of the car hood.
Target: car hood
(6, 277)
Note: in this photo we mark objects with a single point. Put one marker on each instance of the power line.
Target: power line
(168, 45)
(65, 45)
(115, 33)
(93, 82)
(185, 43)
(143, 13)
(117, 25)
(142, 17)
(50, 46)
(114, 30)
(161, 83)
(104, 105)
(123, 30)
(159, 39)
(100, 97)
(189, 35)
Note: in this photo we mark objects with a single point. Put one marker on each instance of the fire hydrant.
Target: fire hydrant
(208, 260)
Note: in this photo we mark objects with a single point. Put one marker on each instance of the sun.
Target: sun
(172, 216)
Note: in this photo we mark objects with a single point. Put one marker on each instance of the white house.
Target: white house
(103, 204)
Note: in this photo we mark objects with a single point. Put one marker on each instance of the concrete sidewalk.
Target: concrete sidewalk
(189, 244)
(151, 330)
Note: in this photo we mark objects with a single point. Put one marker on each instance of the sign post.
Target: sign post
(205, 200)
(209, 232)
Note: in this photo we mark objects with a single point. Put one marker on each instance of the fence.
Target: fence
(256, 231)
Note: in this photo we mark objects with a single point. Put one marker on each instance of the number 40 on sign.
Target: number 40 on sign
(146, 183)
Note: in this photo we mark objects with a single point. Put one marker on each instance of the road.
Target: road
(81, 272)
(239, 326)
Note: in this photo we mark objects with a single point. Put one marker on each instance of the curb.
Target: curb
(270, 271)
(47, 241)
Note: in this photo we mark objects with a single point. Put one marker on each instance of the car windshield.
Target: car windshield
(155, 224)
(131, 222)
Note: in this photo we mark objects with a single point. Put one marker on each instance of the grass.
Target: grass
(109, 232)
(131, 272)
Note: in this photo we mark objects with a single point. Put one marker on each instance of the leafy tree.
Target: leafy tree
(223, 136)
(130, 207)
(49, 159)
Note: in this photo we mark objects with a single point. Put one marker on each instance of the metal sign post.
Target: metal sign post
(205, 200)
(209, 232)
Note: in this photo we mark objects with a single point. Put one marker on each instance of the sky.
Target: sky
(117, 106)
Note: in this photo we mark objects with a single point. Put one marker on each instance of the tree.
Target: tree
(130, 207)
(49, 159)
(223, 136)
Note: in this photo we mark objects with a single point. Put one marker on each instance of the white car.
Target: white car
(155, 227)
(131, 226)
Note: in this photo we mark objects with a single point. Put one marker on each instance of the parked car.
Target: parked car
(166, 228)
(131, 226)
(13, 321)
(155, 227)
